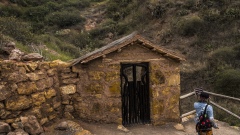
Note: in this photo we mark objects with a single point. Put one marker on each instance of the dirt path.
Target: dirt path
(168, 129)
(111, 129)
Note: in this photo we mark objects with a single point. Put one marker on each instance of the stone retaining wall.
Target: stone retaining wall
(41, 89)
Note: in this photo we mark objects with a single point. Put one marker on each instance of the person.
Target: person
(199, 106)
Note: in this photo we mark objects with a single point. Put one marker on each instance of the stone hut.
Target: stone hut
(128, 81)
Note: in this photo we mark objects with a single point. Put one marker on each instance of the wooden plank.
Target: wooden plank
(225, 110)
(187, 95)
(219, 95)
(187, 114)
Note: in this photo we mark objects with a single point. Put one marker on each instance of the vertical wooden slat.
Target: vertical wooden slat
(135, 95)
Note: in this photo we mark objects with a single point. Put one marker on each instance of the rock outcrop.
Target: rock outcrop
(8, 51)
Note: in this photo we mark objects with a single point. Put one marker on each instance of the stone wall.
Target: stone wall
(91, 91)
(35, 88)
(100, 92)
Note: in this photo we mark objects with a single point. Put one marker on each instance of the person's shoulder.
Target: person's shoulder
(210, 106)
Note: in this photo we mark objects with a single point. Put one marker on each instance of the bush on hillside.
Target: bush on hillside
(228, 82)
(119, 9)
(8, 11)
(226, 57)
(80, 4)
(26, 3)
(20, 31)
(189, 26)
(232, 13)
(64, 19)
(211, 15)
(101, 32)
(37, 14)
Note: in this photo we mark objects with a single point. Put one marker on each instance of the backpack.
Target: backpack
(204, 123)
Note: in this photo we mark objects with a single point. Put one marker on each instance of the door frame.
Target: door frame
(135, 94)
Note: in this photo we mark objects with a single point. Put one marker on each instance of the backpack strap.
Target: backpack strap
(205, 110)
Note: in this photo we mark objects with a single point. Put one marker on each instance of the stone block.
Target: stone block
(10, 120)
(31, 66)
(96, 75)
(68, 89)
(22, 70)
(4, 93)
(94, 88)
(4, 128)
(50, 93)
(31, 125)
(112, 76)
(77, 69)
(174, 80)
(69, 108)
(46, 109)
(52, 116)
(18, 103)
(115, 89)
(51, 72)
(36, 111)
(68, 115)
(37, 76)
(66, 99)
(17, 77)
(44, 83)
(56, 103)
(66, 70)
(26, 88)
(4, 113)
(38, 98)
(59, 64)
(43, 65)
(43, 121)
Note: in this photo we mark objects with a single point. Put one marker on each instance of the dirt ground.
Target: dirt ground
(168, 129)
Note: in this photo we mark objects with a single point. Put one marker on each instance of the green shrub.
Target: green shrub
(232, 13)
(183, 12)
(228, 82)
(226, 57)
(119, 9)
(53, 6)
(16, 29)
(158, 11)
(122, 28)
(29, 2)
(79, 4)
(82, 40)
(189, 26)
(37, 14)
(64, 18)
(7, 11)
(211, 15)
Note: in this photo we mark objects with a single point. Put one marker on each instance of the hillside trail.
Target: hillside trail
(168, 129)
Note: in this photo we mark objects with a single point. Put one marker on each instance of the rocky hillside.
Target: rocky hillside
(206, 32)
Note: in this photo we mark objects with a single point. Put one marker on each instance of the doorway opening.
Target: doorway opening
(135, 93)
